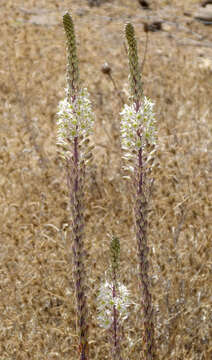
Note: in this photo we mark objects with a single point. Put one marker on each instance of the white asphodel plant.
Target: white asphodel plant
(74, 127)
(138, 140)
(113, 301)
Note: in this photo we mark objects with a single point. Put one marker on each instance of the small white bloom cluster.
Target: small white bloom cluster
(74, 118)
(137, 127)
(106, 303)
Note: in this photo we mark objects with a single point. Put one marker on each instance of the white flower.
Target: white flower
(106, 303)
(75, 118)
(137, 127)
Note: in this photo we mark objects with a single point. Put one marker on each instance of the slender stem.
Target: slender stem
(140, 166)
(76, 159)
(78, 245)
(116, 339)
(114, 318)
(141, 234)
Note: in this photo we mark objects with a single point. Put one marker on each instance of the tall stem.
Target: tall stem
(76, 196)
(141, 235)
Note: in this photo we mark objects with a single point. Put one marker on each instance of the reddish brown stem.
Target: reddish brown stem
(141, 235)
(75, 182)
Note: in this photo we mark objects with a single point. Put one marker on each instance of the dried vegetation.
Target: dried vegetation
(37, 318)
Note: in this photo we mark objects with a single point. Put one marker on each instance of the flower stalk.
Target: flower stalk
(113, 302)
(75, 125)
(137, 137)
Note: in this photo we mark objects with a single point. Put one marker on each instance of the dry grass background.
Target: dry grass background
(37, 318)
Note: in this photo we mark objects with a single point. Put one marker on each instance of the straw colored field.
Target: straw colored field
(37, 317)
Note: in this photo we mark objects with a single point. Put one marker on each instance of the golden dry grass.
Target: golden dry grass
(37, 318)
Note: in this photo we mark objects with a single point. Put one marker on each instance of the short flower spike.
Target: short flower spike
(106, 301)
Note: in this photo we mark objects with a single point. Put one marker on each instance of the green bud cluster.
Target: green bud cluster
(135, 72)
(114, 253)
(72, 63)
